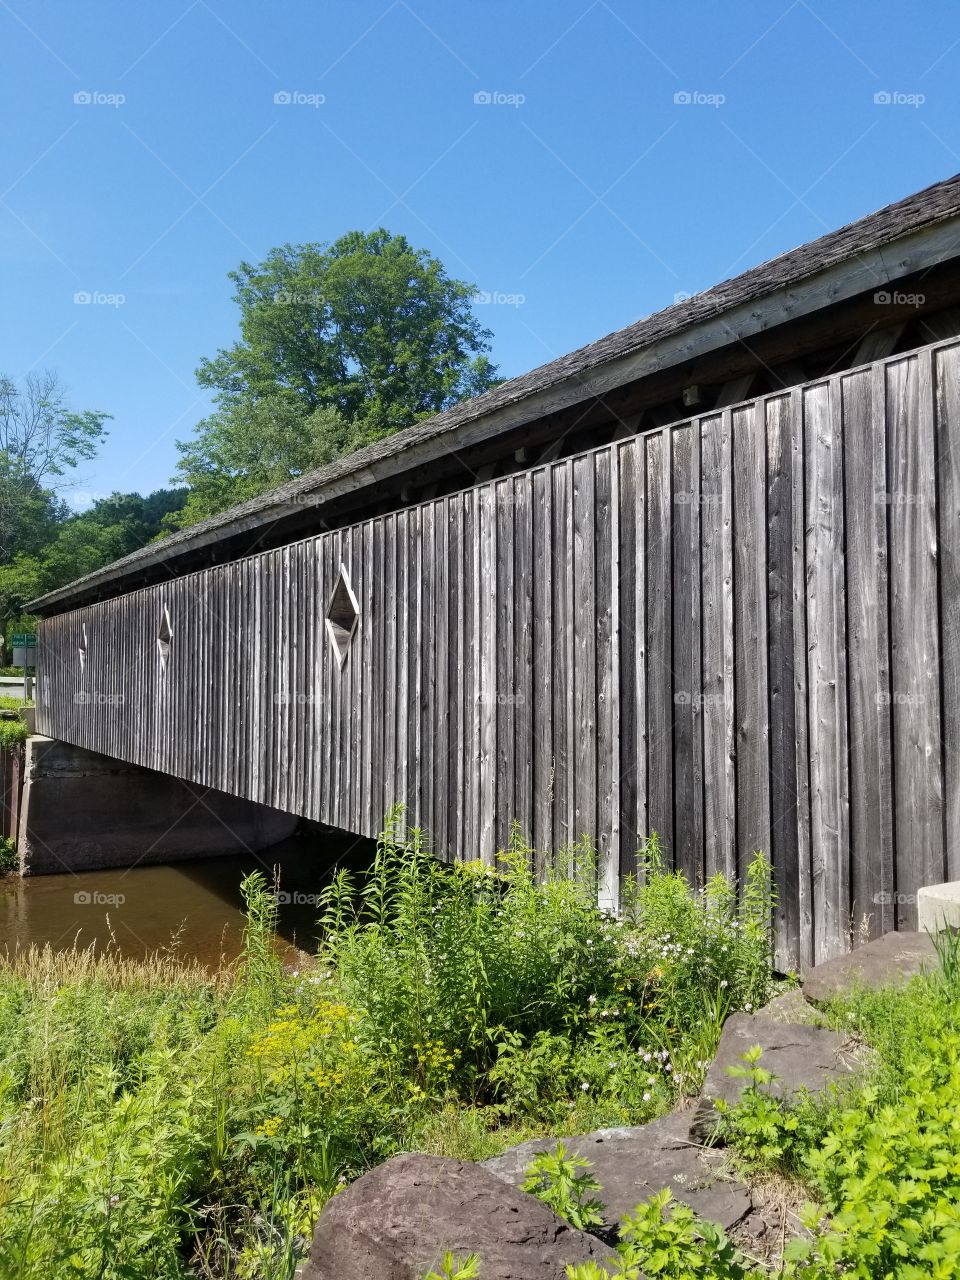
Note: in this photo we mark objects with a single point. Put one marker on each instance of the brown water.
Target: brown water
(195, 907)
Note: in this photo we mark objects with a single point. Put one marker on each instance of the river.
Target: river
(194, 907)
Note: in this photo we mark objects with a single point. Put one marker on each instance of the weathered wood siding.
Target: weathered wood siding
(740, 631)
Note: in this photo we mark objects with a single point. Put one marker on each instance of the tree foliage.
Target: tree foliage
(78, 544)
(41, 442)
(339, 345)
(252, 446)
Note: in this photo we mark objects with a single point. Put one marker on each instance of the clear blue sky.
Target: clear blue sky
(587, 193)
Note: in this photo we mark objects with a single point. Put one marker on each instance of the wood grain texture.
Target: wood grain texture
(739, 631)
(915, 665)
(947, 374)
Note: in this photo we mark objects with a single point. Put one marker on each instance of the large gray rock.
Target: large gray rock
(396, 1221)
(633, 1164)
(893, 958)
(791, 1006)
(800, 1056)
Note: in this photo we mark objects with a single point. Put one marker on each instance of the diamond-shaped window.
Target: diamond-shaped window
(164, 636)
(82, 647)
(343, 614)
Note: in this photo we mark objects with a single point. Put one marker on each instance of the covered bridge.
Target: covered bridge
(699, 577)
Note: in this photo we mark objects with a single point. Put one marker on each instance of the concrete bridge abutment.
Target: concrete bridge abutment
(83, 811)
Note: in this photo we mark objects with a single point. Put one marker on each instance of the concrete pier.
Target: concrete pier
(83, 811)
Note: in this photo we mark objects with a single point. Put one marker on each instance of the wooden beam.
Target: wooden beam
(736, 390)
(878, 344)
(940, 325)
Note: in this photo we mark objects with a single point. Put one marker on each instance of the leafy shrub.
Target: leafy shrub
(9, 858)
(668, 1240)
(560, 1182)
(709, 940)
(452, 1267)
(445, 962)
(765, 1130)
(13, 734)
(521, 993)
(889, 1178)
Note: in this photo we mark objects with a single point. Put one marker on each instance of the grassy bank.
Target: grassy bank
(159, 1122)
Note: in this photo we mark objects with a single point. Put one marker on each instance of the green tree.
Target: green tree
(252, 446)
(78, 544)
(339, 345)
(41, 442)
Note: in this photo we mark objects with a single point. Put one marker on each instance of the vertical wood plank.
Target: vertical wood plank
(717, 650)
(606, 558)
(443, 707)
(750, 631)
(867, 499)
(826, 673)
(630, 618)
(426, 642)
(487, 644)
(542, 683)
(947, 386)
(687, 679)
(523, 725)
(659, 628)
(584, 618)
(783, 849)
(915, 675)
(390, 794)
(404, 636)
(562, 575)
(503, 692)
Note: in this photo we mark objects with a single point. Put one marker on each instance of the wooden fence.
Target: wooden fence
(741, 631)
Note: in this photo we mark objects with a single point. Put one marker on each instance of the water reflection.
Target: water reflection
(194, 906)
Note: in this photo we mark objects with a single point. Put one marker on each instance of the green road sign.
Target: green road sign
(24, 639)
